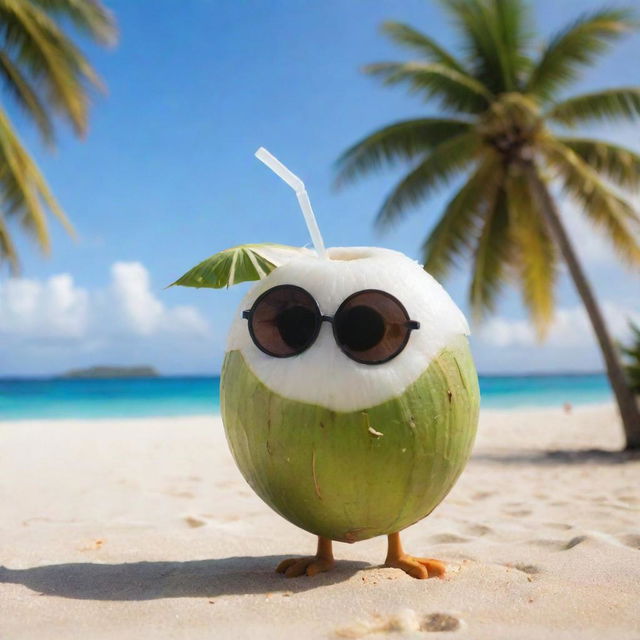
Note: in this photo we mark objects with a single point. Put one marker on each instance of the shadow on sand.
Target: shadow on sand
(151, 580)
(570, 457)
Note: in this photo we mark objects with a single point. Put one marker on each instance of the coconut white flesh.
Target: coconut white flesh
(323, 375)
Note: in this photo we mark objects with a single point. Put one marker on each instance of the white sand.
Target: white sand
(145, 529)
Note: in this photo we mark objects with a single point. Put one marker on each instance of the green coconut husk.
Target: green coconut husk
(350, 476)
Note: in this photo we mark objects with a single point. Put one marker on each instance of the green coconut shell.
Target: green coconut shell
(350, 476)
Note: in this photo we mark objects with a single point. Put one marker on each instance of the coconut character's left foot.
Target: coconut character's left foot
(420, 568)
(311, 565)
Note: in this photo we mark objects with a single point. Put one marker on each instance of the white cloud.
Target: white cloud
(55, 308)
(571, 328)
(184, 319)
(54, 323)
(503, 344)
(138, 309)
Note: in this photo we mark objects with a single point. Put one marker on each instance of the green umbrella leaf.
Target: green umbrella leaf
(243, 263)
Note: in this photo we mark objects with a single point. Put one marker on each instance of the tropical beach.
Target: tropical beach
(323, 322)
(144, 528)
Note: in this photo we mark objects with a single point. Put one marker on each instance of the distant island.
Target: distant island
(112, 372)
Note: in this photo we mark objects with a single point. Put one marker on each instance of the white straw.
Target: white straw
(301, 193)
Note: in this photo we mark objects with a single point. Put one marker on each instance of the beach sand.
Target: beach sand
(145, 529)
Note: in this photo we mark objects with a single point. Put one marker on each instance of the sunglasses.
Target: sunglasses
(370, 326)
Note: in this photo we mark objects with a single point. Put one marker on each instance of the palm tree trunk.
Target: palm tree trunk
(624, 396)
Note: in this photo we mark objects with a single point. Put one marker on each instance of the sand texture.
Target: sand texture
(145, 529)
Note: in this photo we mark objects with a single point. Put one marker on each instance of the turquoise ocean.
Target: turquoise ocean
(179, 396)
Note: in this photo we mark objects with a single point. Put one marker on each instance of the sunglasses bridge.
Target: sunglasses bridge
(410, 324)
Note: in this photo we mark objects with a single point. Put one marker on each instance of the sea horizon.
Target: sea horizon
(49, 397)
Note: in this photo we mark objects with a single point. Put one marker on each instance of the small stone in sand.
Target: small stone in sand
(94, 546)
(405, 620)
(194, 522)
(440, 622)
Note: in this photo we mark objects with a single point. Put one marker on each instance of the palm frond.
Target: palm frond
(50, 59)
(399, 141)
(7, 248)
(23, 190)
(611, 104)
(633, 349)
(617, 163)
(453, 235)
(26, 96)
(535, 254)
(632, 360)
(513, 33)
(576, 46)
(496, 36)
(491, 258)
(455, 90)
(90, 17)
(47, 75)
(608, 211)
(443, 162)
(421, 43)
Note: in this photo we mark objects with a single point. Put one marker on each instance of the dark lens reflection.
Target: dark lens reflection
(371, 327)
(296, 326)
(360, 328)
(284, 321)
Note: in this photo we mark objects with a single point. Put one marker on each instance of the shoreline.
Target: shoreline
(586, 406)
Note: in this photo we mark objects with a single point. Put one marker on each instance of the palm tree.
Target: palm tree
(47, 76)
(501, 98)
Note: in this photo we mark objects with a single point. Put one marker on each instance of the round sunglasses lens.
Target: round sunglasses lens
(371, 327)
(284, 321)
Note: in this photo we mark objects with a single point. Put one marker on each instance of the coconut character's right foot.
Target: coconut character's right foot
(321, 562)
(420, 568)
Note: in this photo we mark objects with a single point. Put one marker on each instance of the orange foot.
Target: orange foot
(311, 565)
(294, 567)
(421, 568)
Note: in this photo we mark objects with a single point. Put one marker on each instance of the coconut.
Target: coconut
(343, 449)
(347, 450)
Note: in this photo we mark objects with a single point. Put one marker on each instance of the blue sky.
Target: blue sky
(166, 177)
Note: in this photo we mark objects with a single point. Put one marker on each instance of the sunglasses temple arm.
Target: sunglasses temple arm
(246, 314)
